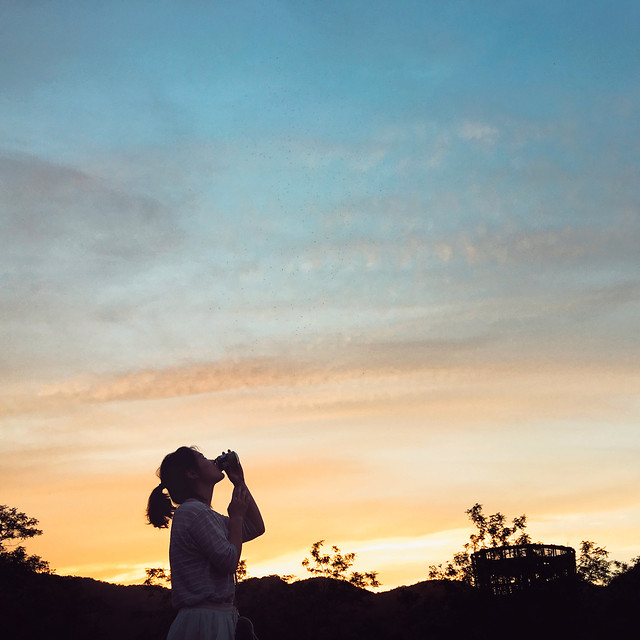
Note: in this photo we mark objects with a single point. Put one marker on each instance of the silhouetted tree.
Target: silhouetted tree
(157, 576)
(491, 531)
(241, 571)
(15, 526)
(337, 565)
(593, 563)
(594, 566)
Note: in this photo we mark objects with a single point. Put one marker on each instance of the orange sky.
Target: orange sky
(384, 465)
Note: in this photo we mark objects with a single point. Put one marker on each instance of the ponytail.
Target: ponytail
(159, 508)
(173, 478)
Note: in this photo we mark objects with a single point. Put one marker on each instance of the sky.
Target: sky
(387, 251)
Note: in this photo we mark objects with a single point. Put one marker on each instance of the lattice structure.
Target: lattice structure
(508, 569)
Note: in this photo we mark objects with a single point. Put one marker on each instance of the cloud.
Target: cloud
(237, 374)
(357, 157)
(412, 357)
(606, 244)
(55, 213)
(75, 252)
(117, 268)
(477, 131)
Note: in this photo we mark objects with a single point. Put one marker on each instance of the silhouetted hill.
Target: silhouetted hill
(48, 607)
(321, 608)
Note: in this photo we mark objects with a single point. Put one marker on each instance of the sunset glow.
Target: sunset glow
(386, 251)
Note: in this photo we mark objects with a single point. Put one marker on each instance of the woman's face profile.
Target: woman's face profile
(208, 470)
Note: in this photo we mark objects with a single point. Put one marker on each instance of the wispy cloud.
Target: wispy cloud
(477, 131)
(612, 243)
(71, 245)
(361, 370)
(317, 368)
(56, 215)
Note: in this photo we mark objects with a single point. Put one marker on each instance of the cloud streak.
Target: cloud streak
(432, 363)
(54, 213)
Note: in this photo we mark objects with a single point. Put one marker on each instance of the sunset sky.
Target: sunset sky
(388, 251)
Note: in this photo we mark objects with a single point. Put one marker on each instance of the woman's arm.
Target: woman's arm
(237, 510)
(218, 538)
(252, 514)
(254, 517)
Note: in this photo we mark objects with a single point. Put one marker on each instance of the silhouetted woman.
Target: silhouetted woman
(205, 546)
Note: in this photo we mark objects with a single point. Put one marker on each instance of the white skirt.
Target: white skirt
(206, 622)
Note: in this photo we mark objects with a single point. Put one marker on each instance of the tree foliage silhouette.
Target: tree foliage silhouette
(161, 577)
(491, 531)
(241, 571)
(594, 566)
(16, 526)
(157, 577)
(336, 565)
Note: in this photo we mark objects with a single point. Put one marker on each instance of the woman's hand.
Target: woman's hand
(245, 501)
(240, 501)
(235, 473)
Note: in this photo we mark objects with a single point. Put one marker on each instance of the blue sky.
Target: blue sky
(236, 146)
(328, 201)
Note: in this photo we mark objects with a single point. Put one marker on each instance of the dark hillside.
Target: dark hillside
(34, 606)
(48, 607)
(320, 608)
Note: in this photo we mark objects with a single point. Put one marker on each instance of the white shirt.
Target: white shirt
(203, 561)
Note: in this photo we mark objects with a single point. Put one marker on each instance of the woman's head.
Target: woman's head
(181, 473)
